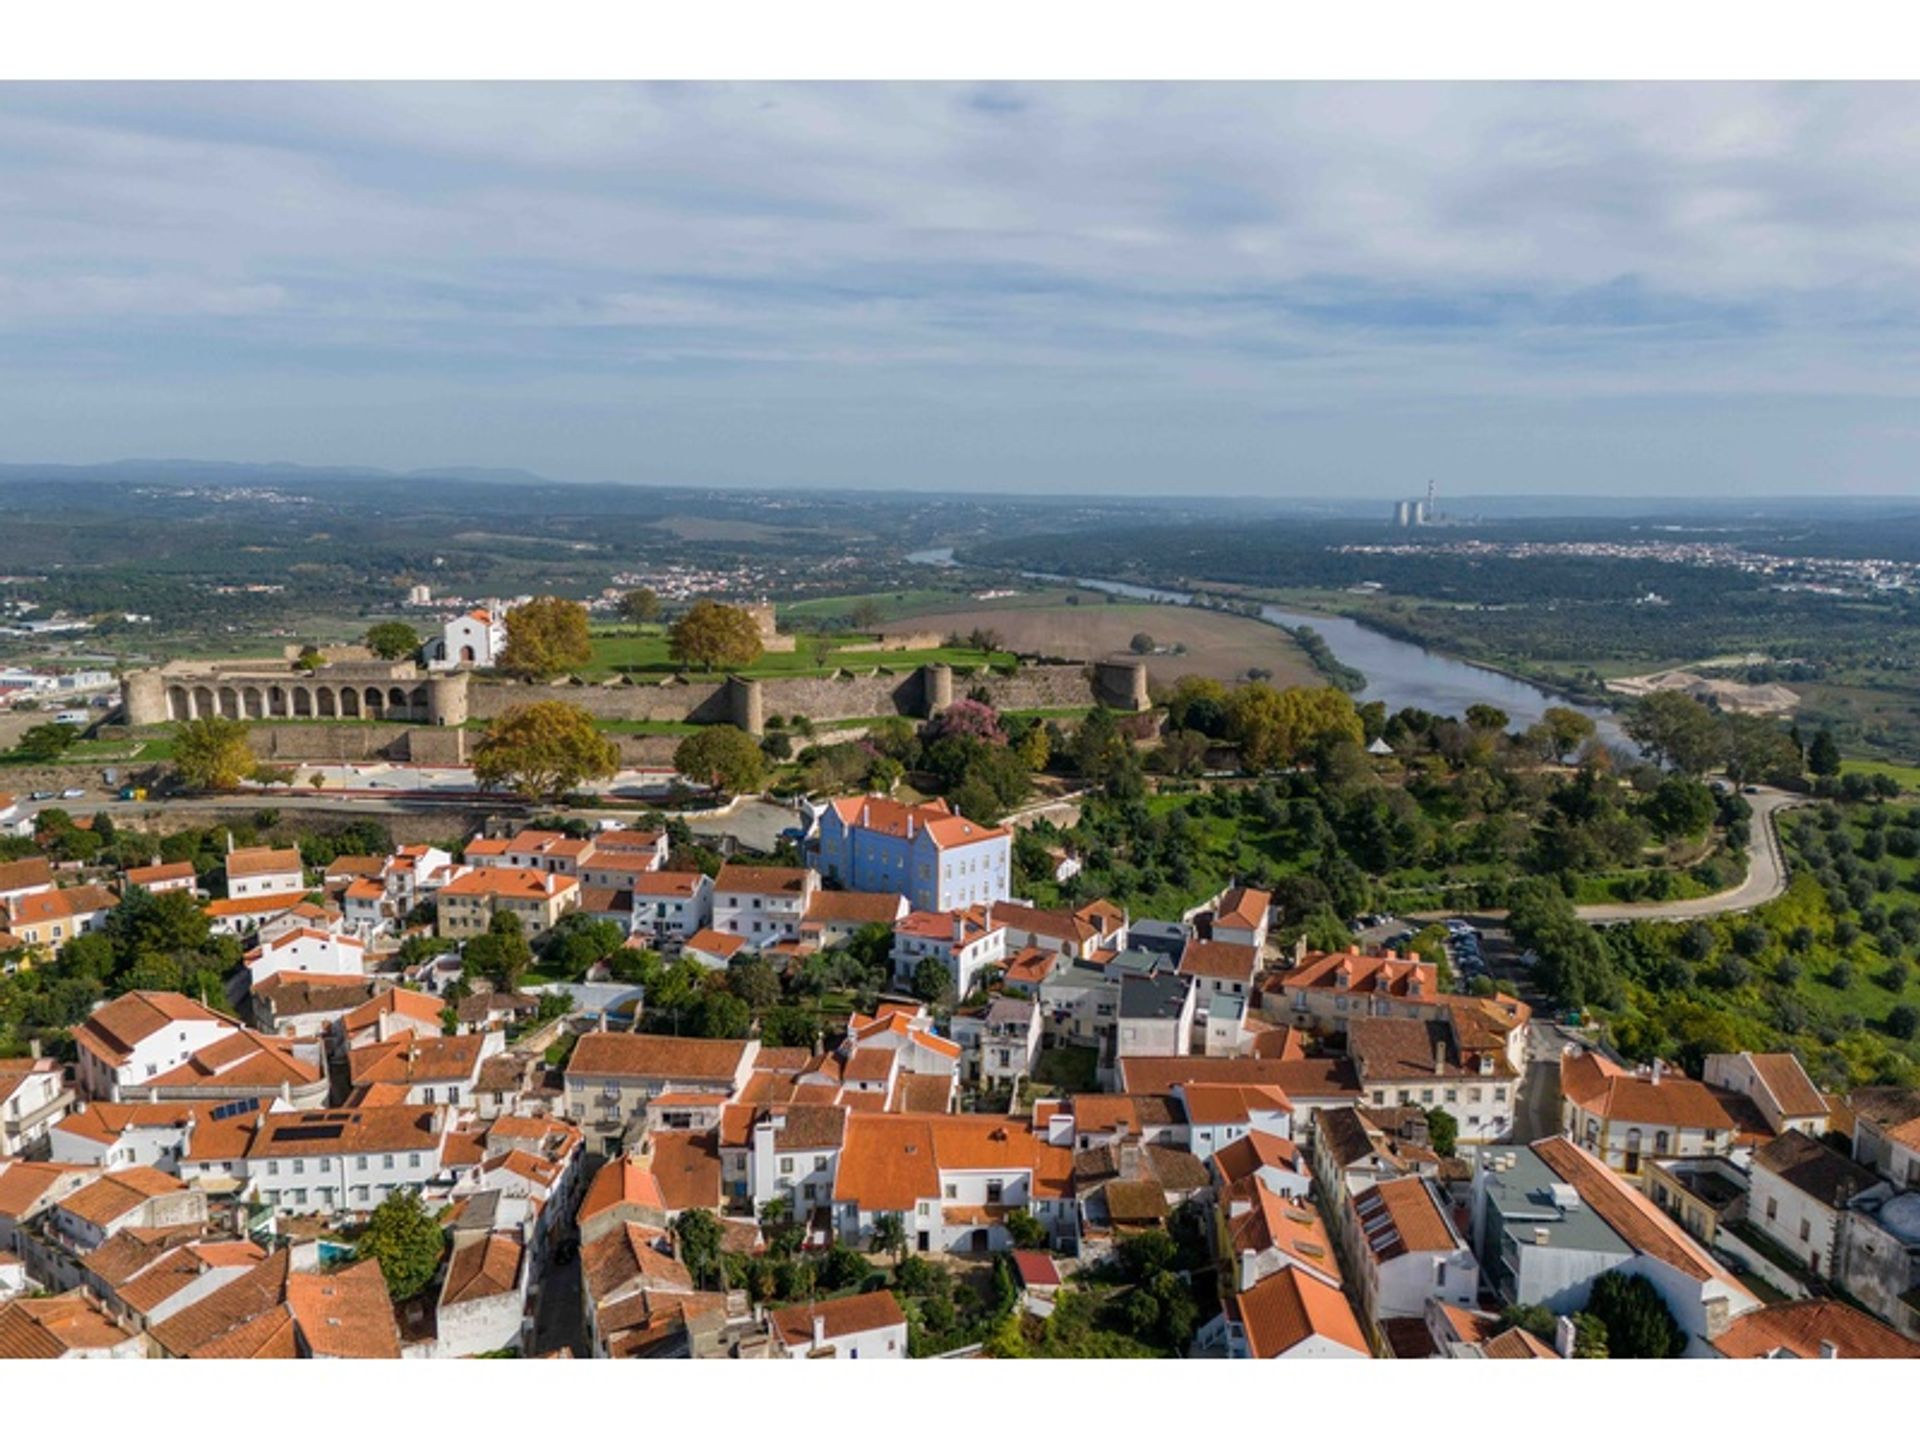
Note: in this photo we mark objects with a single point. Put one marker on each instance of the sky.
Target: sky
(1308, 291)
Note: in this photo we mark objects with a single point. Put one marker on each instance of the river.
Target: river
(1400, 674)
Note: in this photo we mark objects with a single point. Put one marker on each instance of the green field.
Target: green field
(642, 650)
(1907, 775)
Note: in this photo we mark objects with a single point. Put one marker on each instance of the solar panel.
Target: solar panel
(235, 1107)
(309, 1132)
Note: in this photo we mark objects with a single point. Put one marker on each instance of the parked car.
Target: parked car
(41, 795)
(72, 792)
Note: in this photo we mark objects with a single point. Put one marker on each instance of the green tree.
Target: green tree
(1679, 808)
(755, 982)
(1488, 718)
(641, 606)
(723, 757)
(211, 753)
(699, 1234)
(789, 1025)
(931, 982)
(1564, 730)
(1027, 1231)
(1443, 1130)
(393, 639)
(1589, 1337)
(502, 955)
(1677, 730)
(1823, 755)
(406, 1241)
(46, 743)
(1758, 748)
(712, 636)
(890, 1235)
(543, 750)
(1638, 1324)
(545, 637)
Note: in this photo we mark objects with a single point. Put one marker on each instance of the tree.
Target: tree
(712, 636)
(546, 636)
(393, 639)
(1488, 718)
(1278, 727)
(789, 1025)
(406, 1241)
(1679, 808)
(1026, 1230)
(640, 606)
(1638, 1324)
(1443, 1130)
(44, 743)
(699, 1234)
(211, 753)
(890, 1235)
(543, 750)
(1141, 644)
(1565, 730)
(967, 719)
(755, 982)
(931, 982)
(1903, 1022)
(864, 614)
(502, 955)
(1198, 703)
(1823, 755)
(723, 757)
(1758, 749)
(1677, 730)
(580, 941)
(1589, 1337)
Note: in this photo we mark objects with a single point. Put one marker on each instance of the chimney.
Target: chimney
(866, 815)
(1563, 1333)
(1657, 1068)
(909, 825)
(959, 927)
(286, 1093)
(1439, 1056)
(819, 1332)
(1542, 1235)
(33, 1049)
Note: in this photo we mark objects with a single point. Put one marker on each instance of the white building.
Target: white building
(855, 1327)
(145, 1033)
(966, 942)
(261, 870)
(670, 904)
(1409, 1251)
(475, 639)
(762, 903)
(306, 951)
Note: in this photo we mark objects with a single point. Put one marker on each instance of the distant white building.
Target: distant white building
(474, 639)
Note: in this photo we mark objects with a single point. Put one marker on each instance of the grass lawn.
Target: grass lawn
(1070, 1068)
(1907, 775)
(642, 650)
(892, 604)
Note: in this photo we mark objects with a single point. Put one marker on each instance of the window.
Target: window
(952, 1192)
(360, 1163)
(273, 1167)
(1806, 1230)
(386, 1162)
(786, 1165)
(995, 1189)
(299, 1167)
(426, 1095)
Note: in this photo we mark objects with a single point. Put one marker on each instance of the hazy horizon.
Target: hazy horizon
(1290, 291)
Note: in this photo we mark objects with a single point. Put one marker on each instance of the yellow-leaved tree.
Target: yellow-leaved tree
(543, 750)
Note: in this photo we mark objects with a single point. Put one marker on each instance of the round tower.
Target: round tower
(937, 688)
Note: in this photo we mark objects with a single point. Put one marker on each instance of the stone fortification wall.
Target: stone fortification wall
(844, 696)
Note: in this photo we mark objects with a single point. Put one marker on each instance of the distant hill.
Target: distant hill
(270, 472)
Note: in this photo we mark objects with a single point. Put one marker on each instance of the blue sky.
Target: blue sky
(1275, 290)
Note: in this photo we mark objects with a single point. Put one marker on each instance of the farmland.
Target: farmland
(1049, 623)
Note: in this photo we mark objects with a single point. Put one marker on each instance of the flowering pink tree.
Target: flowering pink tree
(968, 718)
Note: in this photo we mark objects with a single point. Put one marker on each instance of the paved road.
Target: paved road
(1766, 874)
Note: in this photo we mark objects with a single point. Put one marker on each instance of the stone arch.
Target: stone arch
(349, 702)
(302, 703)
(179, 703)
(276, 702)
(396, 699)
(252, 703)
(229, 702)
(422, 706)
(467, 656)
(324, 704)
(376, 703)
(203, 701)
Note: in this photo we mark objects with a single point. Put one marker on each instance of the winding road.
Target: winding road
(1766, 874)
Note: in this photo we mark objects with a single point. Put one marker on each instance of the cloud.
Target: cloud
(965, 283)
